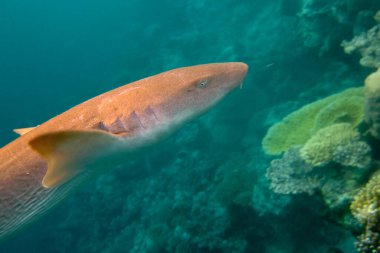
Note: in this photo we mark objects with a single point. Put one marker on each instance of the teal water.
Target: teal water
(205, 189)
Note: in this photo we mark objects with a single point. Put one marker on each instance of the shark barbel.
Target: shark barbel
(47, 163)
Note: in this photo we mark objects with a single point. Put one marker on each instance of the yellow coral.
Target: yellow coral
(372, 103)
(320, 148)
(372, 84)
(299, 126)
(346, 109)
(366, 204)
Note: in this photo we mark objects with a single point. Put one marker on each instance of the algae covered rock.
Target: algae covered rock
(338, 143)
(298, 127)
(367, 44)
(236, 187)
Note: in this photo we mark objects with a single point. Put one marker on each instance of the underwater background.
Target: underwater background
(211, 187)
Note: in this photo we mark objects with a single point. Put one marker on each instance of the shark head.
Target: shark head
(153, 107)
(133, 116)
(191, 91)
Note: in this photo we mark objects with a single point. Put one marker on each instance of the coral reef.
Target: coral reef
(372, 103)
(366, 205)
(338, 143)
(335, 162)
(312, 23)
(366, 209)
(367, 44)
(292, 175)
(337, 184)
(299, 126)
(369, 242)
(324, 23)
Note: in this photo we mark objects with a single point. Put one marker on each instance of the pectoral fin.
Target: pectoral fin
(22, 131)
(68, 152)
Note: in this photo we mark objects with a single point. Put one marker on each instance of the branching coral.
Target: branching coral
(366, 208)
(367, 44)
(366, 205)
(369, 242)
(336, 143)
(291, 174)
(299, 126)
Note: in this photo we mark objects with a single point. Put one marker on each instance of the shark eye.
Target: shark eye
(202, 84)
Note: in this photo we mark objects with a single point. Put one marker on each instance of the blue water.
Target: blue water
(205, 190)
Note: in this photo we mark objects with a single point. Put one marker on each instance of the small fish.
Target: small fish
(269, 65)
(47, 163)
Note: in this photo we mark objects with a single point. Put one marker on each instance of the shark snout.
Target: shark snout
(241, 69)
(237, 72)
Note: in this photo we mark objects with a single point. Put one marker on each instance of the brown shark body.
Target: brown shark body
(47, 163)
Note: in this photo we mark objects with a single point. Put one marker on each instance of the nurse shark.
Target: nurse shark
(47, 163)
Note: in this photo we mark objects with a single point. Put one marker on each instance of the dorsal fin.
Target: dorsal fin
(68, 152)
(22, 131)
